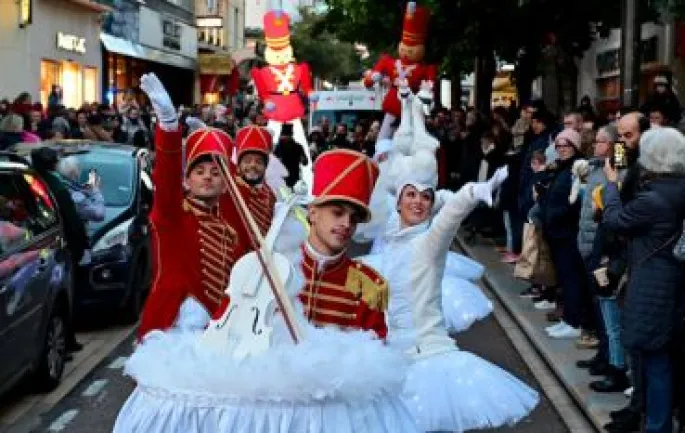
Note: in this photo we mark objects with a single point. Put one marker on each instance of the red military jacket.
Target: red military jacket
(414, 72)
(345, 293)
(260, 200)
(194, 247)
(285, 86)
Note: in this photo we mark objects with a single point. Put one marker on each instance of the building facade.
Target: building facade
(221, 33)
(156, 36)
(51, 42)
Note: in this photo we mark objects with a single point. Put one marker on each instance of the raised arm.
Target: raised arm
(168, 173)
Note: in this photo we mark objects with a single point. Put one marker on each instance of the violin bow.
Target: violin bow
(263, 254)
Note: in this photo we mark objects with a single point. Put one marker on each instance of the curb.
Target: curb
(595, 407)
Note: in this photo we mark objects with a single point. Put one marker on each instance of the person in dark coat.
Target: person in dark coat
(44, 161)
(560, 219)
(664, 98)
(539, 126)
(291, 154)
(653, 307)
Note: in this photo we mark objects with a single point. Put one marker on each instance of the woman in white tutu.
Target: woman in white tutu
(446, 389)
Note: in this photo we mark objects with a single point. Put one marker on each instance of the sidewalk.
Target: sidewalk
(560, 355)
(21, 410)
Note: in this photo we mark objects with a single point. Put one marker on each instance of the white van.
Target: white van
(346, 106)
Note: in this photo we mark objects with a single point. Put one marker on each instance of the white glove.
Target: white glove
(376, 77)
(270, 106)
(482, 192)
(194, 123)
(498, 178)
(160, 100)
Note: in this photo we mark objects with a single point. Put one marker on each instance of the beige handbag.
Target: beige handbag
(535, 263)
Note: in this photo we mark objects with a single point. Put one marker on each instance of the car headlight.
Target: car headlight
(117, 236)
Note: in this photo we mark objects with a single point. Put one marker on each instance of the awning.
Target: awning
(132, 49)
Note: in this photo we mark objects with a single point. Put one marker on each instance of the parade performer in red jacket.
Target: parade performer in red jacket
(196, 234)
(254, 145)
(284, 86)
(409, 65)
(340, 291)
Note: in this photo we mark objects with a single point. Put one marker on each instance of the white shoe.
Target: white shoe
(566, 331)
(545, 305)
(628, 392)
(554, 327)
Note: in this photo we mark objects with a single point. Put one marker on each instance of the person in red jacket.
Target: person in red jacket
(253, 144)
(283, 85)
(340, 291)
(409, 66)
(196, 233)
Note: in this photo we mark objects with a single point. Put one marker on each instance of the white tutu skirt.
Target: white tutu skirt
(457, 391)
(333, 382)
(463, 303)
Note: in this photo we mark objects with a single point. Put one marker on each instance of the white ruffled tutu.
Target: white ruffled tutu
(333, 382)
(463, 302)
(458, 391)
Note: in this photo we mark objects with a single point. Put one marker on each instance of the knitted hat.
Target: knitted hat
(571, 136)
(662, 150)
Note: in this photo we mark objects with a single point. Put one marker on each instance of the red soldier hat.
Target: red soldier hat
(415, 25)
(277, 29)
(345, 175)
(253, 139)
(208, 141)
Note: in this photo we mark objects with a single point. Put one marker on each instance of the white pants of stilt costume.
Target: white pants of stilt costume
(386, 130)
(306, 171)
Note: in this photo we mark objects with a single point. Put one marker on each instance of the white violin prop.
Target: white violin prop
(256, 290)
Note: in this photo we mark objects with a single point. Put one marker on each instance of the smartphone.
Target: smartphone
(619, 158)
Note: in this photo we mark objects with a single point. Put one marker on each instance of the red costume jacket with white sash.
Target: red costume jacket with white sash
(286, 86)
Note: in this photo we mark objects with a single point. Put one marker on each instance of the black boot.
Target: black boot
(599, 369)
(589, 363)
(615, 381)
(629, 421)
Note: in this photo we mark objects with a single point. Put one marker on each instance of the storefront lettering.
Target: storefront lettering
(171, 34)
(71, 43)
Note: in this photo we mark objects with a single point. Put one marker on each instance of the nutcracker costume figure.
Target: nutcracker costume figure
(196, 233)
(284, 86)
(409, 65)
(253, 144)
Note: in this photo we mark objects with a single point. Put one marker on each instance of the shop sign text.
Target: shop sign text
(71, 43)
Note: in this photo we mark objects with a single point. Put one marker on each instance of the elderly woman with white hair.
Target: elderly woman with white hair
(654, 304)
(89, 201)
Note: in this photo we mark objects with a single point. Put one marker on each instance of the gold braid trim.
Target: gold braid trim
(373, 292)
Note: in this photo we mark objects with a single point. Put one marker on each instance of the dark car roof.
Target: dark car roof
(75, 146)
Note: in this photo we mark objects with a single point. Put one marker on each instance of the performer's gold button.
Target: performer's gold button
(286, 92)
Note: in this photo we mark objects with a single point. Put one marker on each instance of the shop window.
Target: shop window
(50, 74)
(72, 84)
(90, 85)
(211, 98)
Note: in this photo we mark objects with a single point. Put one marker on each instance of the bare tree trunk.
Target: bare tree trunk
(485, 73)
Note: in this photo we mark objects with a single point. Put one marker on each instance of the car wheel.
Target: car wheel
(54, 352)
(134, 304)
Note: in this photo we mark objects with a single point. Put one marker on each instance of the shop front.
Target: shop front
(53, 43)
(219, 78)
(154, 43)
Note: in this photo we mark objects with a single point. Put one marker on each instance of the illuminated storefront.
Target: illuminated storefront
(54, 42)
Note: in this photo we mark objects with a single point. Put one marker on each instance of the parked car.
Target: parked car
(115, 273)
(35, 279)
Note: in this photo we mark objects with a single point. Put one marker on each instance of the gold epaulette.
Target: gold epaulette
(365, 283)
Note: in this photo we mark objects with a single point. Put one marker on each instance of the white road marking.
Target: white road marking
(61, 423)
(94, 388)
(118, 363)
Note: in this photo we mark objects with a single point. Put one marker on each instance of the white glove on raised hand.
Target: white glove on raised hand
(482, 192)
(194, 123)
(498, 178)
(160, 100)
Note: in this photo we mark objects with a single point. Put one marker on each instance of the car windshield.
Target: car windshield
(116, 172)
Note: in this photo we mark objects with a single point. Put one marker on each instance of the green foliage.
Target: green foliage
(328, 57)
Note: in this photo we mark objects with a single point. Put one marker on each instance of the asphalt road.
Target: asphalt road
(93, 405)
